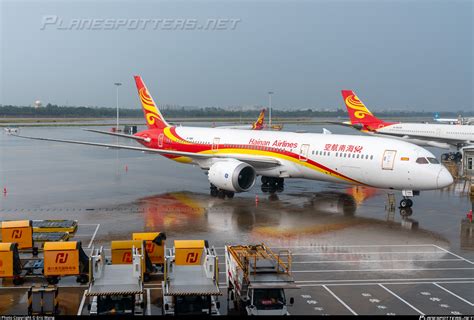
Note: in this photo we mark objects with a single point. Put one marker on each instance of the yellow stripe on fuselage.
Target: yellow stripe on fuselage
(264, 153)
(169, 135)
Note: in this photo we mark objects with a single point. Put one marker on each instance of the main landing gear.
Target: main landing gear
(272, 185)
(221, 194)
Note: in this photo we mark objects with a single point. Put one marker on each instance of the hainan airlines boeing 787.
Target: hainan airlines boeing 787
(234, 158)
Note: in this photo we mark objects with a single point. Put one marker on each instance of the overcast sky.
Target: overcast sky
(394, 54)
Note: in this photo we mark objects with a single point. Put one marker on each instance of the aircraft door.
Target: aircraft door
(215, 144)
(470, 165)
(304, 152)
(388, 159)
(160, 140)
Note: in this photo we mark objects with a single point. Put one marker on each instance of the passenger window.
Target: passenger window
(421, 160)
(433, 160)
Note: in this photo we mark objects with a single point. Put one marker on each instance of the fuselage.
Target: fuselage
(453, 134)
(360, 160)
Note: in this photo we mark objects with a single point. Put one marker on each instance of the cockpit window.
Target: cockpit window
(422, 160)
(433, 160)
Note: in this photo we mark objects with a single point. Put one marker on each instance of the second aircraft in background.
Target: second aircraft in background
(424, 134)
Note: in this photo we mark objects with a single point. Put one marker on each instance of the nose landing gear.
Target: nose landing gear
(406, 203)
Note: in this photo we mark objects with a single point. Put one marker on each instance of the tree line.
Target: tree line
(51, 110)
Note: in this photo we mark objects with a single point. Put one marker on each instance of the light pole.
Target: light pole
(117, 84)
(270, 108)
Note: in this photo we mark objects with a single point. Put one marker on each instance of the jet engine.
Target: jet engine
(233, 176)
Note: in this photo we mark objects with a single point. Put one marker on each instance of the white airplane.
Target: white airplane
(234, 158)
(423, 134)
(436, 118)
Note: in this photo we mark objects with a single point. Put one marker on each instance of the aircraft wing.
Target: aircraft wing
(122, 135)
(256, 161)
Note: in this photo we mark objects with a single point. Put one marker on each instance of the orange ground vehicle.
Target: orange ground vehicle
(10, 264)
(20, 232)
(154, 245)
(122, 254)
(191, 279)
(65, 259)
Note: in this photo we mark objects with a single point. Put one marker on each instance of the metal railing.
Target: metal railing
(247, 258)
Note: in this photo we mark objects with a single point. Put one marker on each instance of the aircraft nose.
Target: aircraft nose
(444, 178)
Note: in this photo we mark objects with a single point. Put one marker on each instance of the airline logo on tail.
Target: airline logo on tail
(359, 114)
(153, 117)
(358, 108)
(258, 125)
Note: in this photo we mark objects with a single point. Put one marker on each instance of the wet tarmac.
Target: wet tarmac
(351, 256)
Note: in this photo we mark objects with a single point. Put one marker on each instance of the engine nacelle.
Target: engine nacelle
(232, 175)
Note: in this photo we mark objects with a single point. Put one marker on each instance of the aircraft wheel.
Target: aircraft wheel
(280, 182)
(230, 194)
(221, 194)
(404, 203)
(265, 180)
(214, 192)
(410, 203)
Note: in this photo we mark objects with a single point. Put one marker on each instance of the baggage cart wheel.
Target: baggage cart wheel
(52, 280)
(146, 277)
(18, 281)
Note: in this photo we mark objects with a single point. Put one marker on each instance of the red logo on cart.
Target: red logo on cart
(61, 257)
(149, 247)
(16, 234)
(127, 257)
(192, 257)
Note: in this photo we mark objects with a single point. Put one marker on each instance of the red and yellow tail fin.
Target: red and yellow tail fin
(258, 125)
(358, 112)
(153, 117)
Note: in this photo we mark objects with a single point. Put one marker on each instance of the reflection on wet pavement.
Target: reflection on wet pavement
(315, 219)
